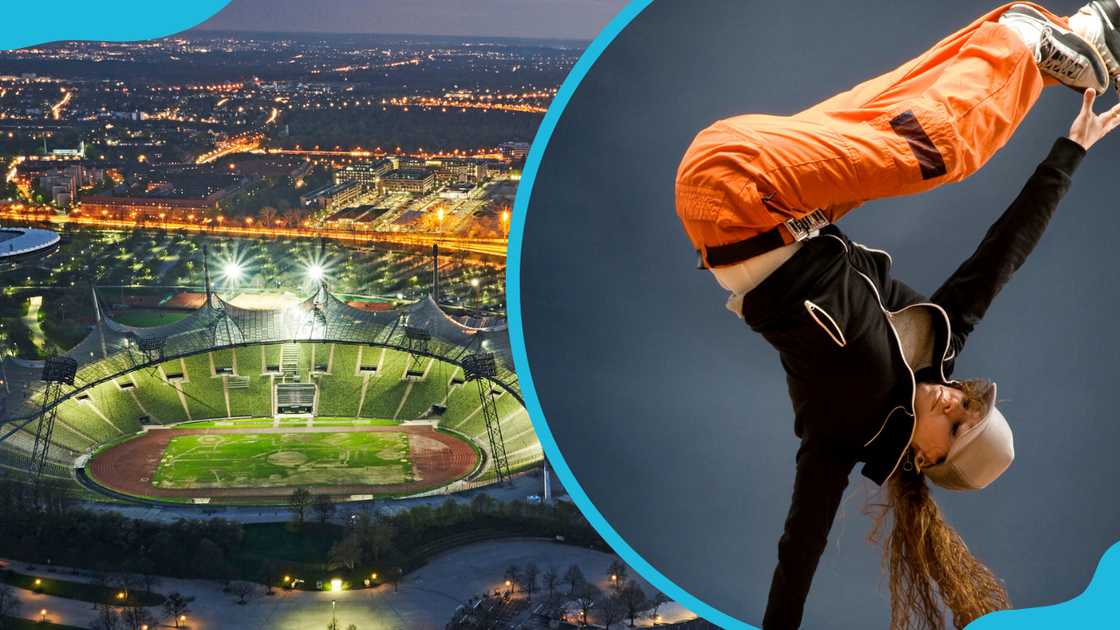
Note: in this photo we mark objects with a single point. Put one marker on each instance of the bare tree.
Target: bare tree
(513, 576)
(107, 618)
(529, 579)
(268, 216)
(298, 501)
(176, 606)
(586, 595)
(324, 507)
(617, 574)
(394, 577)
(550, 578)
(611, 611)
(9, 604)
(634, 599)
(573, 577)
(347, 551)
(659, 600)
(243, 590)
(136, 618)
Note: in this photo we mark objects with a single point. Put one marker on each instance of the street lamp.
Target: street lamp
(43, 615)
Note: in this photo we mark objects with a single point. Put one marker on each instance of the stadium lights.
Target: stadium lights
(232, 271)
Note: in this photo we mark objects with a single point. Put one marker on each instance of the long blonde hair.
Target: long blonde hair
(926, 559)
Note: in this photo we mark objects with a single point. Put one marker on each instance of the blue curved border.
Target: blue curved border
(1094, 604)
(33, 22)
(517, 337)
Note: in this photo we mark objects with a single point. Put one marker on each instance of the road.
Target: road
(488, 246)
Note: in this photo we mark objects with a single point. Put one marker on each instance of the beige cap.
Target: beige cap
(979, 455)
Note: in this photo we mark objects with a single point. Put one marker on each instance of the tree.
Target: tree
(243, 590)
(298, 501)
(513, 576)
(136, 618)
(9, 604)
(550, 578)
(347, 551)
(176, 605)
(617, 574)
(611, 611)
(270, 572)
(482, 503)
(107, 618)
(634, 599)
(529, 579)
(394, 577)
(586, 595)
(573, 577)
(324, 507)
(210, 560)
(268, 216)
(658, 601)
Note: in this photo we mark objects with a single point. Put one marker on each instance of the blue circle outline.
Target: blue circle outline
(517, 337)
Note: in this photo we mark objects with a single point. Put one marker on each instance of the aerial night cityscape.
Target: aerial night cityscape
(255, 369)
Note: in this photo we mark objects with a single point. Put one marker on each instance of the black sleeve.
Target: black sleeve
(822, 476)
(968, 293)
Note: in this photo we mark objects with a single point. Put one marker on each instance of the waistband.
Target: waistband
(782, 234)
(809, 268)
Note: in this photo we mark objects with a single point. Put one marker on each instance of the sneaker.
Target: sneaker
(1060, 53)
(1097, 22)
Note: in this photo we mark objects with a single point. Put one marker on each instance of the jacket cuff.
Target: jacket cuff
(1064, 156)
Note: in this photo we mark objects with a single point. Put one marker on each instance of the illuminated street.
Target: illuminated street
(426, 599)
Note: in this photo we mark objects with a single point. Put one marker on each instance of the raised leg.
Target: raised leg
(933, 120)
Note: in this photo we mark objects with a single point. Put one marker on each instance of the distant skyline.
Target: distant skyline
(553, 19)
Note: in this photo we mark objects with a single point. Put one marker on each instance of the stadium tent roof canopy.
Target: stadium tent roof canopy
(113, 348)
(16, 242)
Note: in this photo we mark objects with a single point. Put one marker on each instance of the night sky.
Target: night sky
(563, 19)
(674, 416)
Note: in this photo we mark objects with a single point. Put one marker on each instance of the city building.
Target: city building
(456, 170)
(514, 150)
(366, 174)
(411, 180)
(333, 196)
(141, 209)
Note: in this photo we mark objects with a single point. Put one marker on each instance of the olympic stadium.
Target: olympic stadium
(250, 397)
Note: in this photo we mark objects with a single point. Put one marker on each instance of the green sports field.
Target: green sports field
(261, 460)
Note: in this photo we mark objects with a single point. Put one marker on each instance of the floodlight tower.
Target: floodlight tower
(481, 367)
(233, 271)
(57, 371)
(317, 274)
(435, 273)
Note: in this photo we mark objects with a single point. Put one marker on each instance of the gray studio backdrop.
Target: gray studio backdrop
(674, 416)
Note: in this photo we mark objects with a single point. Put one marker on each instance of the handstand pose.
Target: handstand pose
(867, 358)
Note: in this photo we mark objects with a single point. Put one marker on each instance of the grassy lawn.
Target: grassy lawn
(283, 459)
(145, 317)
(355, 422)
(80, 591)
